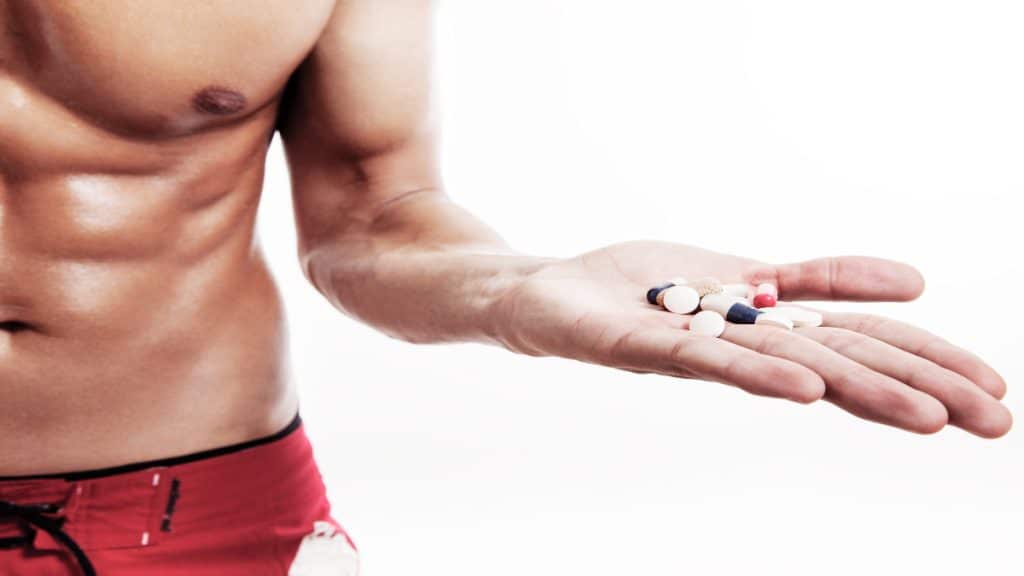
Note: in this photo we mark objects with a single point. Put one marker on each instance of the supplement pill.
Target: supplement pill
(680, 299)
(652, 294)
(705, 286)
(717, 303)
(741, 290)
(708, 323)
(742, 314)
(773, 319)
(801, 317)
(764, 301)
(767, 288)
(736, 312)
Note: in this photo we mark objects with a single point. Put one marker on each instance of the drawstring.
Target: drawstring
(34, 515)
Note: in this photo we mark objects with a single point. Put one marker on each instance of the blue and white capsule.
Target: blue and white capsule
(727, 306)
(653, 293)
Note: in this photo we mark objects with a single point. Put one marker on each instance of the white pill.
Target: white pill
(681, 299)
(801, 317)
(740, 290)
(708, 323)
(773, 319)
(717, 303)
(678, 280)
(767, 288)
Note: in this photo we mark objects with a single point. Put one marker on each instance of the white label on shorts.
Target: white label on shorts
(325, 552)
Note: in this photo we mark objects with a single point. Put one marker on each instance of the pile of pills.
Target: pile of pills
(713, 304)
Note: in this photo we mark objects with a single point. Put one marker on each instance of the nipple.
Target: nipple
(218, 100)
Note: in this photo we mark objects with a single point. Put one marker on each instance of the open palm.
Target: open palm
(592, 308)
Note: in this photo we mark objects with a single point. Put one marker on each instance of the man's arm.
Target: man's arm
(379, 237)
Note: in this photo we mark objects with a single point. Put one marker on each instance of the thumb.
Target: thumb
(855, 278)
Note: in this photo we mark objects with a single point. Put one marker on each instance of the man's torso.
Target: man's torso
(137, 317)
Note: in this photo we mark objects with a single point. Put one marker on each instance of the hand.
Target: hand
(592, 308)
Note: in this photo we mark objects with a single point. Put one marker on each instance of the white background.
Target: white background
(779, 130)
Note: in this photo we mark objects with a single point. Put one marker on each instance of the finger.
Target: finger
(850, 385)
(859, 278)
(969, 407)
(922, 343)
(677, 352)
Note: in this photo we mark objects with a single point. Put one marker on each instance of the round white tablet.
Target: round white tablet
(801, 317)
(681, 299)
(708, 323)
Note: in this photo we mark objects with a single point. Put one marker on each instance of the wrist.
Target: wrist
(429, 296)
(500, 313)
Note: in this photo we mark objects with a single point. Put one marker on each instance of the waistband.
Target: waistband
(139, 504)
(163, 462)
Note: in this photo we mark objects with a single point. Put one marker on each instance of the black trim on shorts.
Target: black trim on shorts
(172, 461)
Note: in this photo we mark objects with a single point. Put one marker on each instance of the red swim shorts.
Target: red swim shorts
(258, 508)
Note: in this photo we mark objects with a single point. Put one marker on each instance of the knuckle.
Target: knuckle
(775, 342)
(841, 340)
(732, 370)
(620, 349)
(675, 353)
(868, 322)
(833, 266)
(925, 415)
(926, 347)
(930, 421)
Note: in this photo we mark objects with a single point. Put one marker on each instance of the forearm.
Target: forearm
(423, 269)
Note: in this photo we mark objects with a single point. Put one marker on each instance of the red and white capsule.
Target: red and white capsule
(766, 296)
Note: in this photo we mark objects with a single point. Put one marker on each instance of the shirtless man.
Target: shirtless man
(142, 374)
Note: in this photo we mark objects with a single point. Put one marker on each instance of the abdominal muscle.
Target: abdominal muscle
(138, 319)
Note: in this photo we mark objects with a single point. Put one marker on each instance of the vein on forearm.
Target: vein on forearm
(422, 269)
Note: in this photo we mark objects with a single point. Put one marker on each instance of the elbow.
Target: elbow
(320, 269)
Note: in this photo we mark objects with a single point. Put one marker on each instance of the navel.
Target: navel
(218, 100)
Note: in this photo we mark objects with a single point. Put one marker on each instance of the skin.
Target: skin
(138, 319)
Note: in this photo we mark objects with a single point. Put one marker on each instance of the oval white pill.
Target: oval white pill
(708, 323)
(768, 288)
(681, 299)
(801, 317)
(772, 319)
(717, 303)
(740, 290)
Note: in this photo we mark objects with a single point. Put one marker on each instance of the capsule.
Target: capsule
(735, 312)
(764, 301)
(652, 294)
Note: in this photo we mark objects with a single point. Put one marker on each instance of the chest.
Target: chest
(157, 66)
